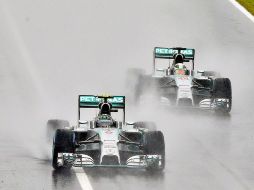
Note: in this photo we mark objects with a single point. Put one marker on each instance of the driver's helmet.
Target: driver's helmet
(180, 69)
(178, 58)
(104, 120)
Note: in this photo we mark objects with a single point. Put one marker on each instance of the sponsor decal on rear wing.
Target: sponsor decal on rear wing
(91, 101)
(168, 53)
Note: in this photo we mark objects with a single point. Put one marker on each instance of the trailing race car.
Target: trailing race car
(179, 85)
(106, 142)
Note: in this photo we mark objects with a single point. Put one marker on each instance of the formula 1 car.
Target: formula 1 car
(106, 142)
(179, 85)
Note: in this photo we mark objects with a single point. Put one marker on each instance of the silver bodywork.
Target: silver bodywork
(185, 89)
(109, 146)
(105, 142)
(194, 89)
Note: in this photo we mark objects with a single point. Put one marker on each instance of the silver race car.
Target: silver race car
(178, 83)
(106, 142)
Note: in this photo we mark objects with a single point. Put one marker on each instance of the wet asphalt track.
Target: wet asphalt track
(51, 51)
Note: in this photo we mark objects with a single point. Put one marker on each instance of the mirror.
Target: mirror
(129, 123)
(83, 122)
(161, 70)
(201, 71)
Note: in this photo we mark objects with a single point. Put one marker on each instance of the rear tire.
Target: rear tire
(53, 125)
(153, 142)
(222, 90)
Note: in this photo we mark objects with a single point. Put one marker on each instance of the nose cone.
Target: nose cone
(109, 134)
(109, 149)
(184, 93)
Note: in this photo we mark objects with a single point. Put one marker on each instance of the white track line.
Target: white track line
(83, 179)
(242, 9)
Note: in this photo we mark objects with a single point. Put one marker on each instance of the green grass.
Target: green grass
(248, 4)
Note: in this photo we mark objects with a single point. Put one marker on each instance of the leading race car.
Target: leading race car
(106, 142)
(179, 85)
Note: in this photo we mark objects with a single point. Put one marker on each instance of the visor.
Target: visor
(180, 71)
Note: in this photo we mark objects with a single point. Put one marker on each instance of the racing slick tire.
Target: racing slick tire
(153, 142)
(222, 90)
(63, 143)
(53, 125)
(151, 126)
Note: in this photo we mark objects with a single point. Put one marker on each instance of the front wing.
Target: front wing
(138, 161)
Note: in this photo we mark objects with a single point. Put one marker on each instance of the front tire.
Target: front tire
(55, 164)
(153, 142)
(222, 90)
(63, 143)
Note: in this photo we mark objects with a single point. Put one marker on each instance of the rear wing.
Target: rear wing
(92, 101)
(168, 53)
